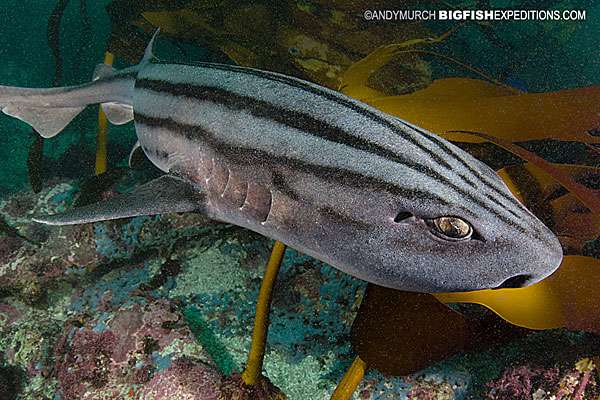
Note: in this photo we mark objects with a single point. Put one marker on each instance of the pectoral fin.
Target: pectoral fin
(163, 195)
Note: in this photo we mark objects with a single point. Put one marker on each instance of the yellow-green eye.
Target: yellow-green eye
(453, 228)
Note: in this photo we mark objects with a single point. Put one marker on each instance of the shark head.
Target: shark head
(439, 238)
(446, 249)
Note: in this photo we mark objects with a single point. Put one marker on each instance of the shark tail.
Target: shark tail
(47, 121)
(49, 111)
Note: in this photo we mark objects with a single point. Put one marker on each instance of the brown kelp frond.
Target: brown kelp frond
(391, 324)
(575, 226)
(589, 197)
(573, 223)
(362, 92)
(466, 66)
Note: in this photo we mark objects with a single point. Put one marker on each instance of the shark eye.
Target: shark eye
(452, 228)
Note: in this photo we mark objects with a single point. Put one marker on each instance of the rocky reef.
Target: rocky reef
(162, 308)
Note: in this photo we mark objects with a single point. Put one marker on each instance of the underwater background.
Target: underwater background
(162, 307)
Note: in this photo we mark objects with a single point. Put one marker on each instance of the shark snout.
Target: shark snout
(542, 259)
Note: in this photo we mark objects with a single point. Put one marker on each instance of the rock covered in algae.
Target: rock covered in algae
(183, 379)
(140, 350)
(31, 262)
(163, 307)
(43, 256)
(578, 382)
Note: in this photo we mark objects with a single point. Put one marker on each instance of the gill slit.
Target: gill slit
(244, 202)
(270, 207)
(226, 183)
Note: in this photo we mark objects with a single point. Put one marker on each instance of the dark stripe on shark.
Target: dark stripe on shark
(310, 125)
(244, 155)
(341, 100)
(337, 98)
(282, 186)
(293, 119)
(331, 174)
(442, 146)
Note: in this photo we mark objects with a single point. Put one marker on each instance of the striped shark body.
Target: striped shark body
(368, 193)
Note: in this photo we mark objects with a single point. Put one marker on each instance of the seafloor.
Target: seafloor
(162, 308)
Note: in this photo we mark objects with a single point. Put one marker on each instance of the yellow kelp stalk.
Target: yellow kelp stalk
(101, 137)
(350, 380)
(253, 370)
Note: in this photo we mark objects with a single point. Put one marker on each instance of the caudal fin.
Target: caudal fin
(49, 111)
(46, 121)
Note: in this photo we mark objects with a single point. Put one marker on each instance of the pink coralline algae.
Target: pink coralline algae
(86, 364)
(515, 383)
(144, 352)
(525, 382)
(138, 349)
(183, 380)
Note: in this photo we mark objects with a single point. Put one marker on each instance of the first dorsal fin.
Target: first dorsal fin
(163, 195)
(148, 54)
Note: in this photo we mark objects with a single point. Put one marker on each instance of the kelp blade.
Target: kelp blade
(568, 298)
(464, 104)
